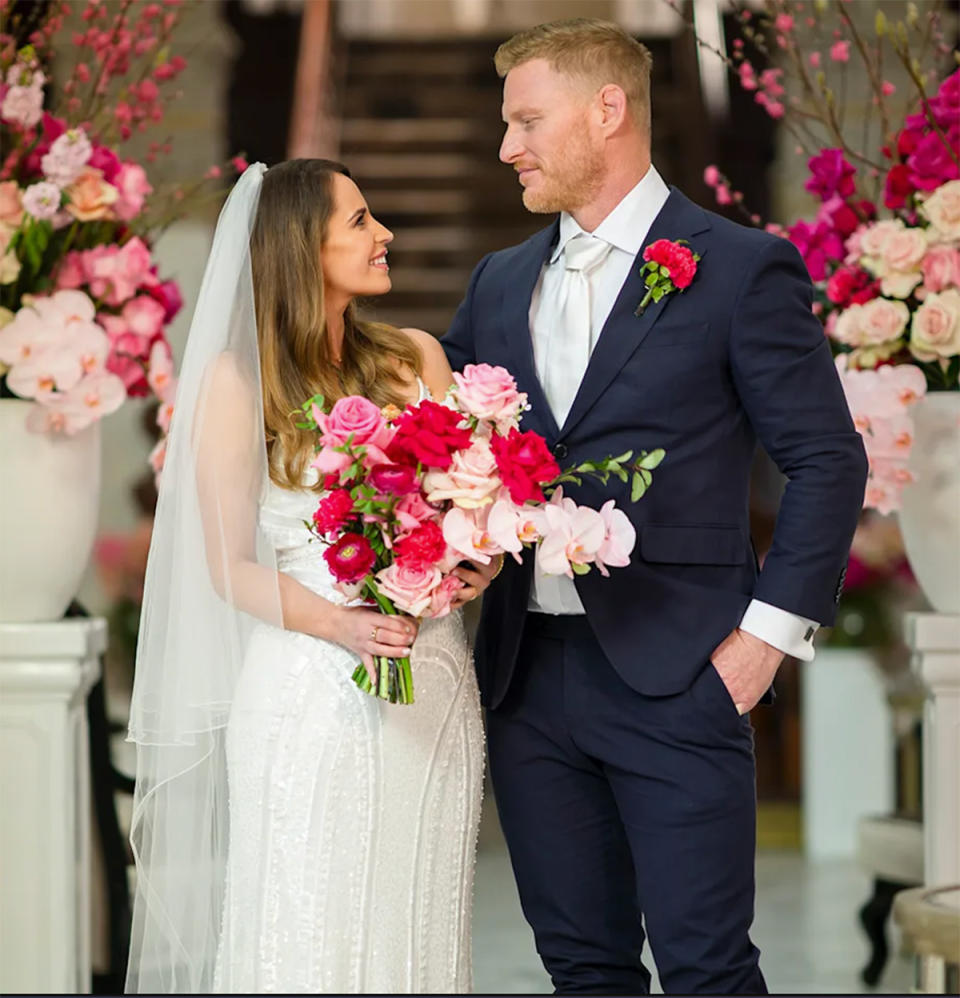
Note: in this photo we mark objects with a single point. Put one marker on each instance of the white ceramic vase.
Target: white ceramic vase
(930, 515)
(49, 504)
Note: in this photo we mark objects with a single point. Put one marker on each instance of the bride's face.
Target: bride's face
(354, 253)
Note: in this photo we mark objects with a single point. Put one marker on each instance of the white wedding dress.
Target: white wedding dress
(353, 822)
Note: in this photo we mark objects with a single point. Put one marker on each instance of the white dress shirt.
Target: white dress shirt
(626, 228)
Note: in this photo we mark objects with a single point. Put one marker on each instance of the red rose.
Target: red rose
(429, 433)
(333, 511)
(396, 479)
(422, 548)
(524, 463)
(898, 186)
(350, 558)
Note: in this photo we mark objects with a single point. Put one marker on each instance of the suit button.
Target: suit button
(560, 451)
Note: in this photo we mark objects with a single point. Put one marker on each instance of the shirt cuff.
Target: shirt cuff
(789, 632)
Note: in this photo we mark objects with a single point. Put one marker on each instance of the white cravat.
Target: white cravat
(619, 238)
(571, 340)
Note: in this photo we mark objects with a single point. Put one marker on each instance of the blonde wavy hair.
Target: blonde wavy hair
(598, 52)
(296, 360)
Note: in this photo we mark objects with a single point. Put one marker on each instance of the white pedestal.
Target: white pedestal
(935, 640)
(46, 671)
(848, 753)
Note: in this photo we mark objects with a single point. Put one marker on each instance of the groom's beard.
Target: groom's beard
(578, 184)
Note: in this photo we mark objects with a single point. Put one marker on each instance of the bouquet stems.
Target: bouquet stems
(392, 680)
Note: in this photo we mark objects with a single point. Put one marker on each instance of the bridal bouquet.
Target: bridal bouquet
(412, 493)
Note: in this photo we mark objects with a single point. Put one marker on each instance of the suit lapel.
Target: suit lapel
(516, 329)
(624, 331)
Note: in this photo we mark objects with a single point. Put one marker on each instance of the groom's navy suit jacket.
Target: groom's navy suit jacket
(736, 358)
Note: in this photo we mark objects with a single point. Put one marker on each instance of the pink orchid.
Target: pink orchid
(619, 540)
(572, 535)
(466, 532)
(160, 371)
(511, 526)
(90, 399)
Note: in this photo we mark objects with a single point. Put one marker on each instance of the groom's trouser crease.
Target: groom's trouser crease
(615, 804)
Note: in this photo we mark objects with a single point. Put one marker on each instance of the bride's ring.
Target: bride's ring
(373, 634)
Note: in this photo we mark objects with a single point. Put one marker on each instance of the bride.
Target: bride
(292, 833)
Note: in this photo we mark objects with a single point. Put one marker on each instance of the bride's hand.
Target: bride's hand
(476, 579)
(370, 634)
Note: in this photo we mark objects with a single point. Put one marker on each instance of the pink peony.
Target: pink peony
(941, 268)
(394, 479)
(830, 174)
(350, 558)
(131, 182)
(489, 393)
(931, 164)
(410, 588)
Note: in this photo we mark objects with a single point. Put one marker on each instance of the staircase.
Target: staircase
(420, 130)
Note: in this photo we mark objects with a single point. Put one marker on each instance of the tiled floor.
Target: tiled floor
(805, 927)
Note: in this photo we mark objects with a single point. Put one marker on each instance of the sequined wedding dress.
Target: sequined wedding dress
(353, 822)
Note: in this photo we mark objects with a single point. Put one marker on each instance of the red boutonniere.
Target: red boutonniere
(671, 266)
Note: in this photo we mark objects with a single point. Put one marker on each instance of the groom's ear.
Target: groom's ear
(613, 108)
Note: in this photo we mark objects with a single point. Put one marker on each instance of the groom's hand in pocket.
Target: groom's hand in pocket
(476, 578)
(747, 665)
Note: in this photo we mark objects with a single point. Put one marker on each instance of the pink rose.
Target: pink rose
(470, 481)
(877, 321)
(443, 596)
(489, 393)
(935, 330)
(90, 197)
(941, 268)
(942, 208)
(903, 250)
(11, 204)
(357, 418)
(411, 511)
(409, 587)
(131, 182)
(873, 238)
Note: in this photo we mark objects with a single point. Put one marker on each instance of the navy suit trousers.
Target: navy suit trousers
(619, 807)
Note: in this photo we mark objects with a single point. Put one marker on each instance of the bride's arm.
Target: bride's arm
(436, 372)
(228, 456)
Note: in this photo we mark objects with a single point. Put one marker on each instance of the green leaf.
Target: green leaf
(637, 488)
(651, 280)
(664, 272)
(652, 459)
(625, 456)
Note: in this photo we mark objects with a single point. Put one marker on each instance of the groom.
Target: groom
(620, 747)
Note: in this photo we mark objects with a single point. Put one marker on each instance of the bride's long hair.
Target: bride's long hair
(296, 361)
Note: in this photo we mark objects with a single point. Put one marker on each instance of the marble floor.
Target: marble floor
(805, 927)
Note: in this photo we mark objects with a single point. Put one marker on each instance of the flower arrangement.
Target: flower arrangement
(412, 493)
(83, 309)
(887, 289)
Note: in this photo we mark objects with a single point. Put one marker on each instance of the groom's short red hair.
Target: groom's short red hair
(597, 51)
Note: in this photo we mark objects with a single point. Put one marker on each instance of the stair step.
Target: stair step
(413, 59)
(413, 164)
(432, 280)
(407, 130)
